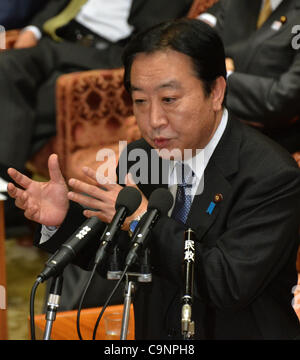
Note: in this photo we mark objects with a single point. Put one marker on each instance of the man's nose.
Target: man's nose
(157, 116)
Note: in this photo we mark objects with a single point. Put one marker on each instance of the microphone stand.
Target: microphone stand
(187, 325)
(129, 289)
(53, 304)
(130, 286)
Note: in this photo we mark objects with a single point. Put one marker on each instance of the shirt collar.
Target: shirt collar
(274, 3)
(199, 162)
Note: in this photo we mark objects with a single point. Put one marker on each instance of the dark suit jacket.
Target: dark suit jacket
(245, 253)
(143, 14)
(14, 14)
(265, 86)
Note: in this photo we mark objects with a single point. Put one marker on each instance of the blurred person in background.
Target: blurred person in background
(263, 64)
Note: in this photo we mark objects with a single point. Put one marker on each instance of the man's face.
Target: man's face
(170, 105)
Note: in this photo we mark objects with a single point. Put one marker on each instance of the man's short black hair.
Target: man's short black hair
(191, 37)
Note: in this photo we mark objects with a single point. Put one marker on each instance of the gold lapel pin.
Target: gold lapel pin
(218, 198)
(283, 19)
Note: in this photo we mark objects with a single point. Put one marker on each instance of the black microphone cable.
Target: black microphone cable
(31, 307)
(83, 297)
(108, 301)
(87, 285)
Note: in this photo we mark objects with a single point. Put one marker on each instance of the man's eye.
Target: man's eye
(169, 100)
(139, 101)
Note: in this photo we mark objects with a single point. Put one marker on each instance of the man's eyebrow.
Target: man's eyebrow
(174, 84)
(135, 88)
(170, 84)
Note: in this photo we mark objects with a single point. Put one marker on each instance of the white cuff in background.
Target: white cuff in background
(47, 232)
(229, 72)
(36, 31)
(211, 19)
(3, 185)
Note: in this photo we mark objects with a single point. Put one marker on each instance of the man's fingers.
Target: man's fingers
(129, 180)
(18, 194)
(296, 156)
(85, 200)
(21, 201)
(106, 182)
(90, 213)
(19, 178)
(31, 212)
(90, 173)
(85, 188)
(13, 191)
(54, 169)
(229, 64)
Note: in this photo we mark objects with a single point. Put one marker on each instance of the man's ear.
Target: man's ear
(218, 93)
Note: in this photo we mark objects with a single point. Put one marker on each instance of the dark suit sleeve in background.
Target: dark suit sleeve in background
(15, 14)
(268, 100)
(145, 14)
(52, 8)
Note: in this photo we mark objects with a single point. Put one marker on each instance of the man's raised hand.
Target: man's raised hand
(43, 202)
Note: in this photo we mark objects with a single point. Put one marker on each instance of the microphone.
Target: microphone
(160, 202)
(187, 326)
(87, 232)
(68, 251)
(128, 200)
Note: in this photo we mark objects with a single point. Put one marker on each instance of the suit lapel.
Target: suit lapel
(205, 209)
(217, 188)
(266, 30)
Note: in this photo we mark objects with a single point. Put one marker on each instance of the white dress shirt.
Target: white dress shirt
(198, 163)
(108, 19)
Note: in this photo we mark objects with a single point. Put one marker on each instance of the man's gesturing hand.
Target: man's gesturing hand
(102, 198)
(44, 202)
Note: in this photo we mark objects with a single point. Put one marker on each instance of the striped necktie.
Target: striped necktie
(183, 199)
(265, 12)
(63, 18)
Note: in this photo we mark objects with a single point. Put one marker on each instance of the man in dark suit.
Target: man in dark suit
(15, 14)
(264, 86)
(240, 195)
(65, 36)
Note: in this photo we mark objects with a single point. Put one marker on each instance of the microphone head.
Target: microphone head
(130, 198)
(160, 199)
